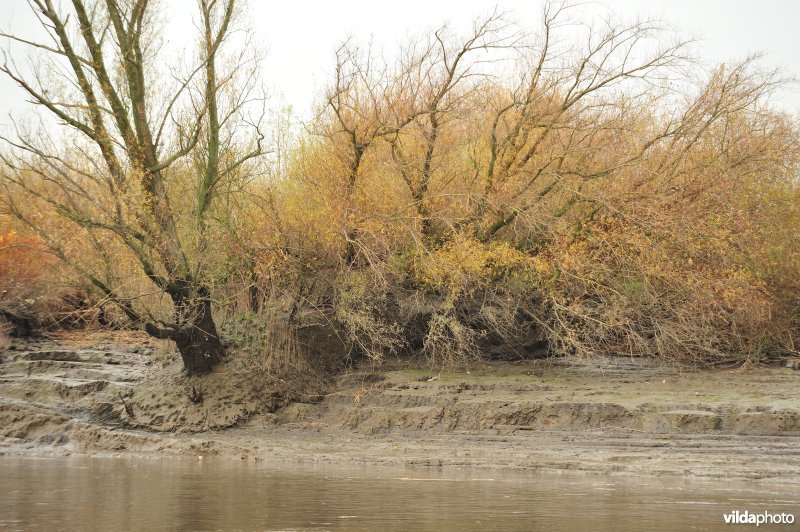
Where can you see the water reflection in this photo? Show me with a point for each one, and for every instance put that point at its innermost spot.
(130, 494)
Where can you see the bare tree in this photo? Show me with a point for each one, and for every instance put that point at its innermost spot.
(141, 158)
(367, 102)
(404, 106)
(449, 73)
(569, 104)
(573, 91)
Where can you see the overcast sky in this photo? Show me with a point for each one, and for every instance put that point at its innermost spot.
(302, 35)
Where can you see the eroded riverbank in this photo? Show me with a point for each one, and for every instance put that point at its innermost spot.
(104, 396)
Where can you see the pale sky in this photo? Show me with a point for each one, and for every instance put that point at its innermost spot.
(301, 36)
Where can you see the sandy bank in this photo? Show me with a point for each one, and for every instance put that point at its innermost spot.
(106, 394)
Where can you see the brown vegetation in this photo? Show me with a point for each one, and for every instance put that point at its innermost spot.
(499, 194)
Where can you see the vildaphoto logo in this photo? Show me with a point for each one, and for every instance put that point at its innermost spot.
(765, 518)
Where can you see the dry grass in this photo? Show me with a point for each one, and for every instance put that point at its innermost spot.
(5, 339)
(282, 353)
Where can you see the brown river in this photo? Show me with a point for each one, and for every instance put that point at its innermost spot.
(169, 494)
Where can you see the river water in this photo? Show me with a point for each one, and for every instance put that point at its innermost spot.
(169, 494)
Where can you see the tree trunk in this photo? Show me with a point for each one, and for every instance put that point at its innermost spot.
(198, 342)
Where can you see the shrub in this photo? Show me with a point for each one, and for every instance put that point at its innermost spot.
(26, 295)
(32, 289)
(619, 290)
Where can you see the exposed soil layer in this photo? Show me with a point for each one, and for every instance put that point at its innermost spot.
(122, 393)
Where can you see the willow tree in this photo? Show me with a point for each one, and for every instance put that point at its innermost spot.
(141, 152)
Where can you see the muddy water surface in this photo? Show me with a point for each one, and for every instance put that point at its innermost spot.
(170, 494)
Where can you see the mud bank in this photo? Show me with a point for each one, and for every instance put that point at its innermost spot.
(114, 394)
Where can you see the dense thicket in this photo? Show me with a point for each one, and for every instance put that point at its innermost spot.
(568, 191)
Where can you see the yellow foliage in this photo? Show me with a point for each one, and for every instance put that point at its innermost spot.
(466, 264)
(8, 239)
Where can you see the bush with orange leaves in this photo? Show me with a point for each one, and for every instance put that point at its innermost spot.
(29, 294)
